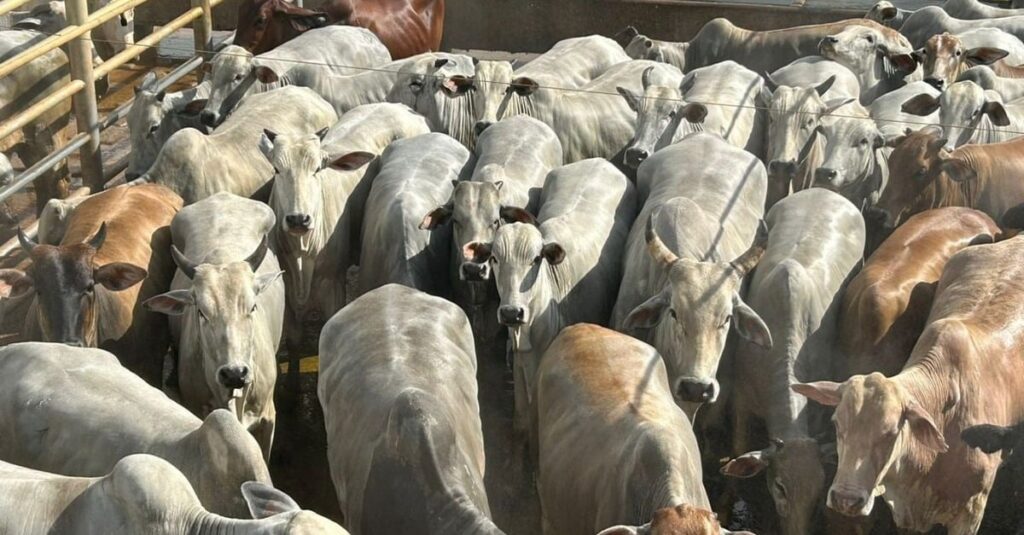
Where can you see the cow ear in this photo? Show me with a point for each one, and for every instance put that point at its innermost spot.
(824, 392)
(524, 86)
(264, 281)
(958, 170)
(553, 253)
(747, 465)
(265, 74)
(923, 427)
(749, 325)
(888, 13)
(995, 110)
(352, 161)
(903, 62)
(170, 303)
(118, 276)
(437, 217)
(514, 214)
(267, 138)
(988, 438)
(694, 112)
(893, 140)
(14, 283)
(923, 104)
(265, 501)
(195, 106)
(766, 95)
(647, 314)
(985, 55)
(476, 252)
(632, 99)
(304, 23)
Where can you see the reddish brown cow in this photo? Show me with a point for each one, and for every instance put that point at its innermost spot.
(679, 520)
(944, 58)
(87, 288)
(900, 437)
(923, 175)
(885, 306)
(406, 27)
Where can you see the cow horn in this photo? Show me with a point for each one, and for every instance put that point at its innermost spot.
(823, 87)
(26, 243)
(657, 248)
(256, 258)
(645, 78)
(768, 81)
(746, 261)
(186, 266)
(101, 236)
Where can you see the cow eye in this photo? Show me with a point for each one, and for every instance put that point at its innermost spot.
(238, 77)
(864, 142)
(871, 38)
(672, 114)
(91, 287)
(201, 315)
(808, 124)
(496, 223)
(253, 309)
(672, 312)
(958, 52)
(153, 129)
(725, 323)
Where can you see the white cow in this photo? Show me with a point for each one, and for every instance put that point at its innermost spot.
(141, 494)
(881, 64)
(854, 158)
(227, 303)
(641, 47)
(96, 412)
(970, 114)
(1010, 88)
(887, 110)
(154, 117)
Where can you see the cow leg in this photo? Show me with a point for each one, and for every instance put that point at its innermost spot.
(263, 432)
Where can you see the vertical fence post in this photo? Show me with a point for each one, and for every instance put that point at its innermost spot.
(86, 116)
(202, 30)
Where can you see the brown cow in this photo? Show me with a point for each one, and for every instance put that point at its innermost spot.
(923, 175)
(885, 306)
(406, 27)
(899, 437)
(679, 520)
(87, 288)
(944, 58)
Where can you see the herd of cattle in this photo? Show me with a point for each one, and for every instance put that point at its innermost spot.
(843, 196)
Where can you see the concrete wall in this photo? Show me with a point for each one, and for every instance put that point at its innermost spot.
(535, 25)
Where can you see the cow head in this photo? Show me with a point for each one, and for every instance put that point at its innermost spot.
(872, 52)
(794, 470)
(65, 278)
(265, 24)
(660, 113)
(491, 80)
(877, 423)
(232, 71)
(944, 58)
(221, 311)
(682, 519)
(640, 47)
(794, 114)
(850, 156)
(144, 119)
(920, 168)
(692, 314)
(964, 109)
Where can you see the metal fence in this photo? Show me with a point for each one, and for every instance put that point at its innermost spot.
(81, 88)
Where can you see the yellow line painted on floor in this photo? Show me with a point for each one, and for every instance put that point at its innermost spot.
(306, 365)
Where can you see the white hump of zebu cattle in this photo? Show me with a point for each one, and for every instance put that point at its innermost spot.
(416, 175)
(141, 494)
(398, 389)
(934, 20)
(227, 305)
(196, 166)
(95, 412)
(1010, 88)
(328, 51)
(816, 240)
(610, 391)
(680, 288)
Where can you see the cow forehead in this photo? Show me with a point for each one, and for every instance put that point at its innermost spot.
(470, 194)
(517, 242)
(943, 43)
(872, 398)
(702, 282)
(660, 97)
(231, 58)
(962, 93)
(795, 101)
(223, 284)
(71, 265)
(297, 151)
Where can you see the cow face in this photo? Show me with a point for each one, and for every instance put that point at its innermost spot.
(67, 285)
(264, 24)
(794, 114)
(682, 519)
(520, 258)
(640, 47)
(660, 113)
(440, 87)
(233, 70)
(221, 312)
(144, 118)
(794, 470)
(944, 59)
(692, 314)
(869, 52)
(876, 422)
(849, 157)
(492, 79)
(964, 107)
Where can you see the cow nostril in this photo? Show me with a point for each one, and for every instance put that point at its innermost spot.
(299, 221)
(511, 315)
(233, 376)
(832, 40)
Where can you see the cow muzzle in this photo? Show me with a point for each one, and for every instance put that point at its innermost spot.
(696, 390)
(234, 376)
(850, 502)
(474, 272)
(827, 178)
(511, 316)
(298, 224)
(209, 118)
(635, 156)
(785, 168)
(937, 83)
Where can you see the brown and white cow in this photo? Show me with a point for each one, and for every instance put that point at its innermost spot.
(87, 288)
(945, 57)
(679, 520)
(885, 306)
(923, 175)
(899, 437)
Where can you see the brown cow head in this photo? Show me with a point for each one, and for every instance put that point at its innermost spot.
(65, 279)
(919, 168)
(265, 24)
(679, 520)
(877, 422)
(944, 58)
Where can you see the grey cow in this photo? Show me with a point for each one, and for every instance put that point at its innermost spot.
(687, 256)
(154, 117)
(398, 389)
(970, 115)
(416, 175)
(854, 158)
(816, 240)
(96, 412)
(561, 269)
(886, 13)
(141, 494)
(227, 305)
(639, 46)
(196, 166)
